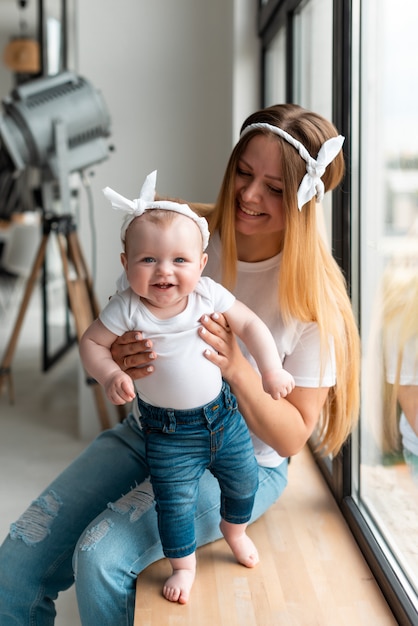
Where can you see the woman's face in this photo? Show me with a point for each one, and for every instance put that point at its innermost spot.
(258, 189)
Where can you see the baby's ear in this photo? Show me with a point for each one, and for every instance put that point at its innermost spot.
(203, 261)
(124, 260)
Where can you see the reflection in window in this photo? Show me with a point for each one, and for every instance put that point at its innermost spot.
(312, 73)
(275, 70)
(388, 480)
(313, 56)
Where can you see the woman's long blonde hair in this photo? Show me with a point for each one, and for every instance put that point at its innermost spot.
(399, 302)
(311, 286)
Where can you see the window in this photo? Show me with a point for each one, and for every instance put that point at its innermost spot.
(312, 52)
(275, 69)
(354, 61)
(388, 470)
(311, 70)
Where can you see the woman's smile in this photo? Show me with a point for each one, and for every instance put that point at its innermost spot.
(248, 211)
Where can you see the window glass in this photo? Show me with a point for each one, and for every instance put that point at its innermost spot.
(388, 475)
(275, 69)
(382, 103)
(312, 72)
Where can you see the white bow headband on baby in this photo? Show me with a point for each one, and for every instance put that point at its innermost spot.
(146, 202)
(311, 184)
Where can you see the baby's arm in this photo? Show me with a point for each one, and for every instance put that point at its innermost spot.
(97, 360)
(260, 343)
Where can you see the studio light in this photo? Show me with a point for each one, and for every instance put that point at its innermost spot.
(60, 123)
(57, 125)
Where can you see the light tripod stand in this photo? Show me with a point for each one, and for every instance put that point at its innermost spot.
(58, 125)
(81, 298)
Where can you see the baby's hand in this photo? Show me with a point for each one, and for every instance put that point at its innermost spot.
(278, 383)
(119, 388)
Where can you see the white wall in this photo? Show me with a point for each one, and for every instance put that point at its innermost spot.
(165, 70)
(174, 75)
(178, 78)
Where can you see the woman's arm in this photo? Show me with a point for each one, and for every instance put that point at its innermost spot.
(285, 424)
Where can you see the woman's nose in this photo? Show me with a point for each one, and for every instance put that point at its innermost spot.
(251, 191)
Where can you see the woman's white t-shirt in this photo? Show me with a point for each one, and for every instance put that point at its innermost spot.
(298, 343)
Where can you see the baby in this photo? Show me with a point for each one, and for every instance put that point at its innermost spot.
(189, 416)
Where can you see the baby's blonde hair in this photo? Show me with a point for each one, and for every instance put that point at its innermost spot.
(161, 217)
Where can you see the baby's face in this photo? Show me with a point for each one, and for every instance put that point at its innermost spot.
(164, 261)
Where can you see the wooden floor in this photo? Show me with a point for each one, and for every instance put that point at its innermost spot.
(311, 571)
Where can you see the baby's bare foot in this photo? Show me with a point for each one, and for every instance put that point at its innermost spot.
(177, 587)
(241, 545)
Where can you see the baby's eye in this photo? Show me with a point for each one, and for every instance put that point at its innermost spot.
(179, 259)
(148, 259)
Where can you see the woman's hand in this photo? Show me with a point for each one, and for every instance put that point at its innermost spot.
(226, 353)
(133, 354)
(284, 424)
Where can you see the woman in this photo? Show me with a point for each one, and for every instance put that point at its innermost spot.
(266, 248)
(396, 349)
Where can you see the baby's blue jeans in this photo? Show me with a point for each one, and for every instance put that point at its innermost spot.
(109, 544)
(180, 446)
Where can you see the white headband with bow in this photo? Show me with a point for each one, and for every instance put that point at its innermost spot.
(146, 202)
(311, 185)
